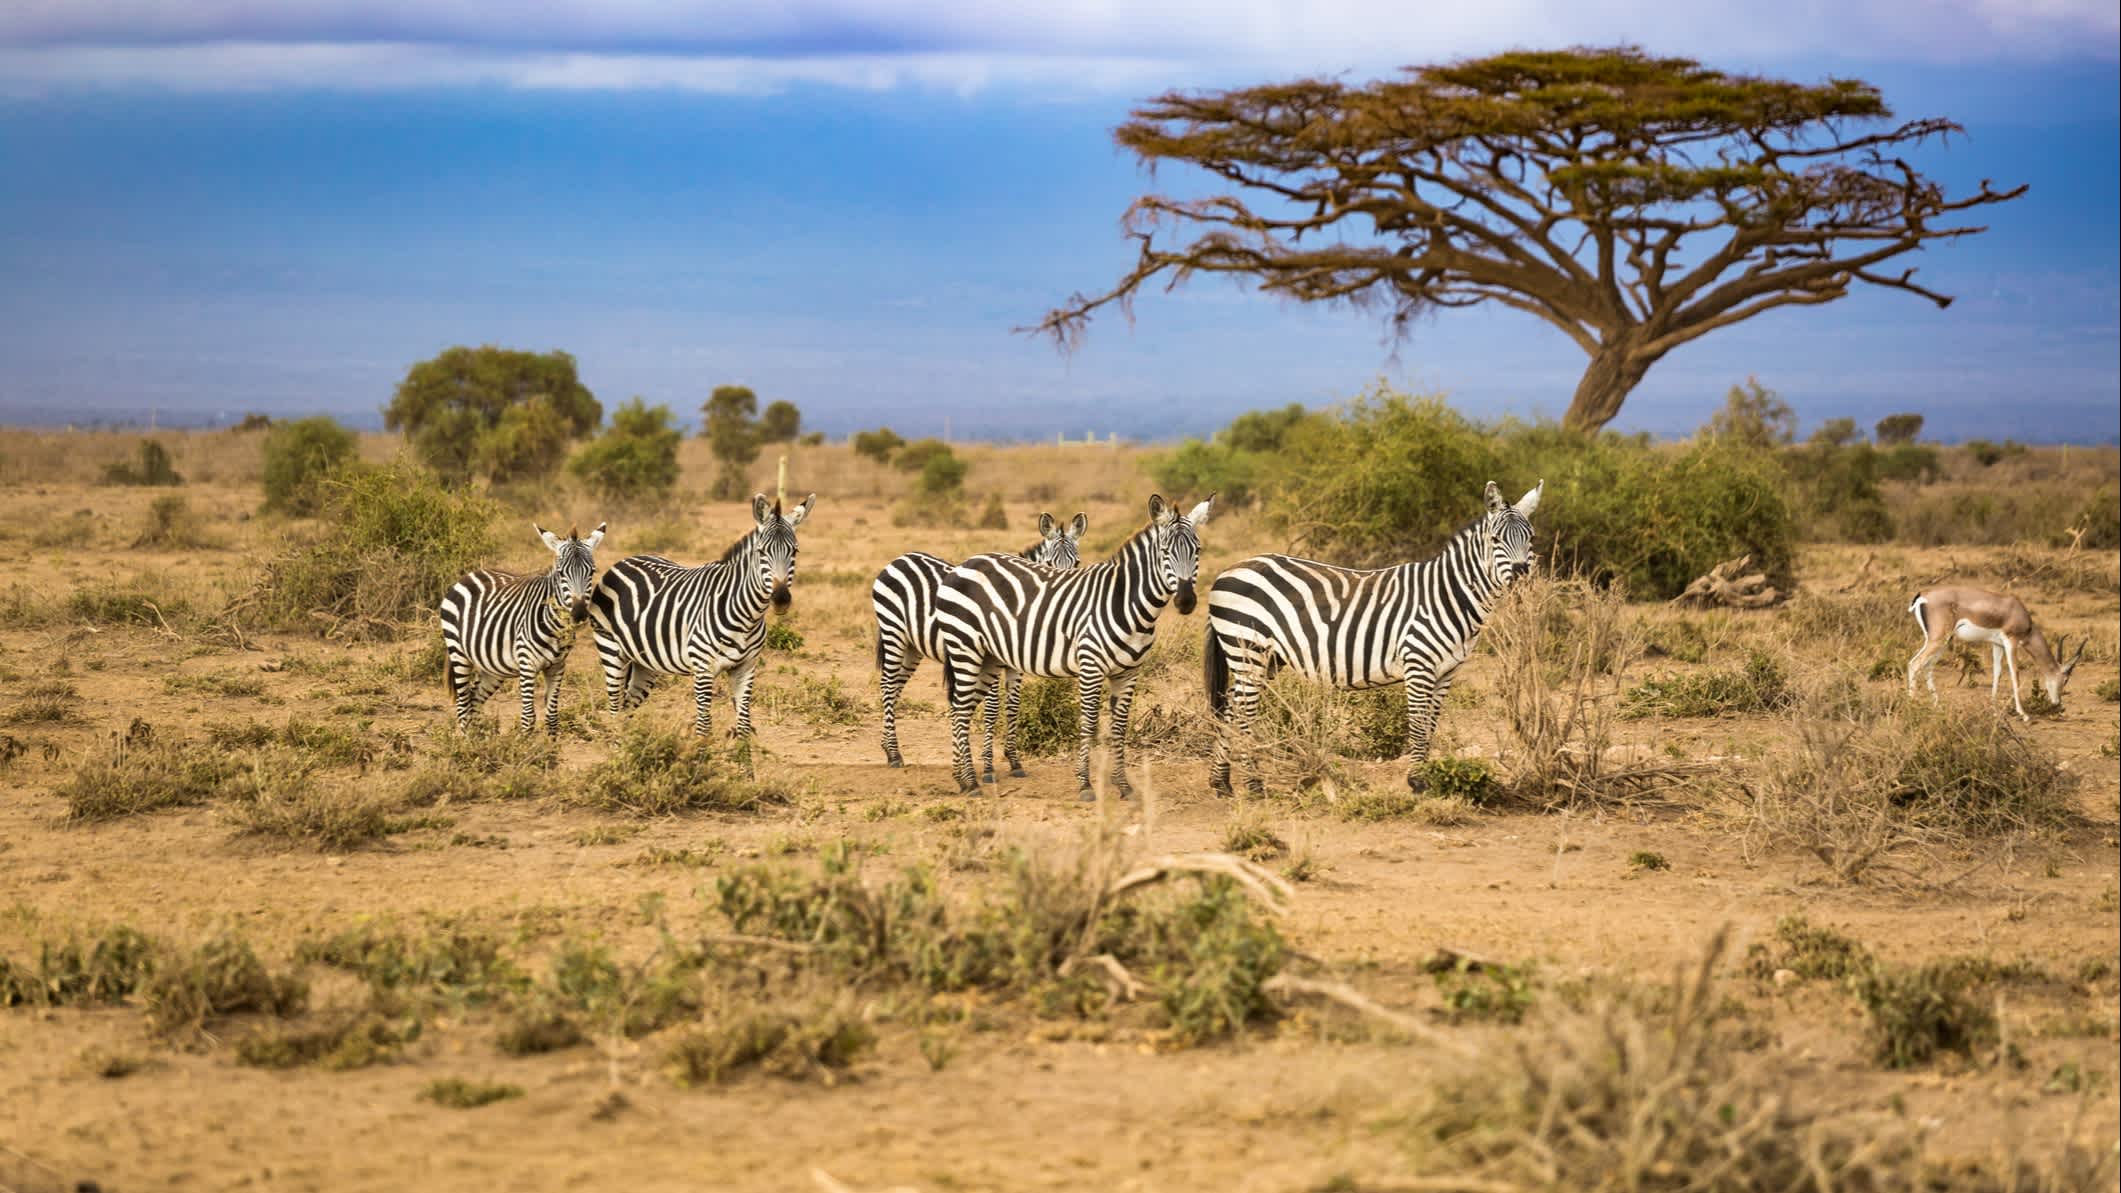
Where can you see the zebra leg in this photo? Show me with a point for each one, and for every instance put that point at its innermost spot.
(463, 682)
(1089, 694)
(553, 676)
(961, 688)
(527, 684)
(991, 715)
(1122, 703)
(1422, 707)
(1015, 683)
(488, 685)
(1246, 683)
(618, 675)
(702, 703)
(740, 685)
(891, 681)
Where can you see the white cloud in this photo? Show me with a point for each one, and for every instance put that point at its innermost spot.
(752, 45)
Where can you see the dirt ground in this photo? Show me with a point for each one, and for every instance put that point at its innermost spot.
(1025, 1106)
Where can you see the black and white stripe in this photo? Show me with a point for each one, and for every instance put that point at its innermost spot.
(654, 618)
(997, 613)
(1413, 624)
(498, 626)
(903, 597)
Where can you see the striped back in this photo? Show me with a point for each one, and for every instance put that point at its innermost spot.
(1046, 622)
(674, 619)
(903, 594)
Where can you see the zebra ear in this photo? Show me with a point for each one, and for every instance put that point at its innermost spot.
(1530, 501)
(596, 536)
(1047, 526)
(551, 540)
(1077, 525)
(802, 511)
(1496, 503)
(1159, 511)
(760, 507)
(1200, 512)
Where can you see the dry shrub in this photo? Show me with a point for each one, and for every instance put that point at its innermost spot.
(655, 772)
(2094, 572)
(45, 702)
(804, 1042)
(1760, 686)
(222, 976)
(455, 1093)
(1562, 649)
(1619, 1096)
(173, 526)
(480, 764)
(283, 802)
(145, 775)
(393, 540)
(107, 968)
(1858, 796)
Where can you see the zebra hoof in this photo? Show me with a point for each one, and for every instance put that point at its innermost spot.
(1417, 782)
(1220, 786)
(1018, 772)
(894, 761)
(1087, 796)
(986, 776)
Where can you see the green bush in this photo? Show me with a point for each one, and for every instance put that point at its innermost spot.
(1899, 428)
(2100, 519)
(153, 468)
(942, 475)
(298, 456)
(394, 539)
(1835, 487)
(495, 413)
(636, 459)
(1911, 463)
(878, 445)
(1761, 687)
(914, 457)
(1917, 1013)
(1198, 467)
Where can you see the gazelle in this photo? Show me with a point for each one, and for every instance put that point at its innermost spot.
(2003, 622)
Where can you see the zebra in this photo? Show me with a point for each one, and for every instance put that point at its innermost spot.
(904, 599)
(497, 624)
(654, 618)
(1413, 624)
(996, 613)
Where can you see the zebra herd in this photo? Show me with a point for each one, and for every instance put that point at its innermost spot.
(995, 618)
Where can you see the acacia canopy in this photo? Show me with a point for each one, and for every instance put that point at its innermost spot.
(1634, 202)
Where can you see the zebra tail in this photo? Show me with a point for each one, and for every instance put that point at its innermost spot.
(1215, 666)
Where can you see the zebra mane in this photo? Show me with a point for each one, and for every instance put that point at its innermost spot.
(736, 548)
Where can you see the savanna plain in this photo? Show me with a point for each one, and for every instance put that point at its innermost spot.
(1695, 899)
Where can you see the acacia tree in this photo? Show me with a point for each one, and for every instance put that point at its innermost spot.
(1634, 202)
(732, 433)
(497, 413)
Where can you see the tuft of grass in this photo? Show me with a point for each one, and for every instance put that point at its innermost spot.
(817, 1043)
(538, 1031)
(823, 702)
(1484, 991)
(1917, 1013)
(459, 1094)
(221, 976)
(284, 803)
(1047, 723)
(45, 702)
(355, 1043)
(1370, 805)
(139, 602)
(1467, 780)
(1252, 838)
(1644, 859)
(783, 637)
(1761, 686)
(2108, 690)
(1808, 952)
(106, 968)
(455, 966)
(484, 764)
(652, 772)
(149, 778)
(172, 526)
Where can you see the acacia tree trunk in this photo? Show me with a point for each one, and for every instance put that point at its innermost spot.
(1611, 376)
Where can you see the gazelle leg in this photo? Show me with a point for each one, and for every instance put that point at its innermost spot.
(2010, 658)
(1995, 669)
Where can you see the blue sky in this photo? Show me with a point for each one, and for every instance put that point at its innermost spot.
(217, 207)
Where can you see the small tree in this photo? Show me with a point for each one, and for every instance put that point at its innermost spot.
(496, 414)
(154, 468)
(1899, 428)
(636, 459)
(1754, 416)
(732, 432)
(781, 423)
(915, 456)
(1837, 432)
(297, 456)
(878, 444)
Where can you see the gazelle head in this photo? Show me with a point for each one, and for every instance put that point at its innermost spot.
(2054, 673)
(1177, 543)
(773, 545)
(574, 566)
(1059, 545)
(1508, 530)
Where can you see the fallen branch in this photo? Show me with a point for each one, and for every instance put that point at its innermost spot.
(1862, 574)
(1119, 984)
(1724, 587)
(1263, 884)
(1355, 1000)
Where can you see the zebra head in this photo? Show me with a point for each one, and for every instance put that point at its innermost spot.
(773, 545)
(1177, 546)
(574, 567)
(1509, 533)
(1058, 545)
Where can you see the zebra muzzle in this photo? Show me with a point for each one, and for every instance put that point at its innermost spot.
(783, 596)
(579, 611)
(1185, 599)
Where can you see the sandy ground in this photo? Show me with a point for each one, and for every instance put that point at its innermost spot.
(1024, 1106)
